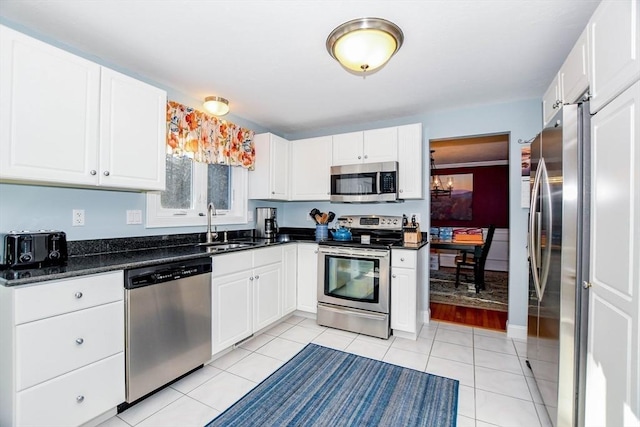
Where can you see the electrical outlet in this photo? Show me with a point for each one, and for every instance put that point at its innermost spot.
(77, 218)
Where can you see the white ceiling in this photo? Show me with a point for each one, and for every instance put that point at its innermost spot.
(268, 57)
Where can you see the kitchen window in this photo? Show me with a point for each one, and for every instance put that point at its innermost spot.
(190, 187)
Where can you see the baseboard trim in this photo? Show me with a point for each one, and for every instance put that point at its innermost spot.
(516, 332)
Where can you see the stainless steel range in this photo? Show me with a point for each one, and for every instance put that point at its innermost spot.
(354, 276)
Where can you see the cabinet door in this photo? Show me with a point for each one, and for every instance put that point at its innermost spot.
(574, 73)
(48, 112)
(279, 176)
(410, 161)
(267, 295)
(403, 299)
(551, 101)
(308, 277)
(232, 310)
(613, 357)
(289, 272)
(74, 398)
(347, 148)
(132, 133)
(380, 145)
(310, 168)
(615, 52)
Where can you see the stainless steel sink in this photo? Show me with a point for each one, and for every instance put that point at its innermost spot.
(221, 246)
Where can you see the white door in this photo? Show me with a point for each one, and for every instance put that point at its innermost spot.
(308, 277)
(267, 297)
(410, 161)
(613, 365)
(310, 168)
(347, 148)
(232, 310)
(380, 145)
(48, 112)
(132, 133)
(289, 272)
(279, 168)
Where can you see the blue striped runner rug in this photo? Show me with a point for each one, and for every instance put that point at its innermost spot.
(325, 387)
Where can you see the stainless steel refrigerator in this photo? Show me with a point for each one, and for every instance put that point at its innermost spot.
(558, 257)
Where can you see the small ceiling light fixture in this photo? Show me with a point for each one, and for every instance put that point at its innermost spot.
(216, 105)
(364, 45)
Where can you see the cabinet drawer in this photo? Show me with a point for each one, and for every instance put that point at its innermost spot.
(403, 258)
(75, 398)
(231, 263)
(54, 346)
(267, 256)
(64, 296)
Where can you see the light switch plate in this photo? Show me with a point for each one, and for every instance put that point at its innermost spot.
(134, 217)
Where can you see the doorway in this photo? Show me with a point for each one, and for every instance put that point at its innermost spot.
(469, 191)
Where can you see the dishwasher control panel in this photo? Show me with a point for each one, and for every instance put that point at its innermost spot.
(152, 275)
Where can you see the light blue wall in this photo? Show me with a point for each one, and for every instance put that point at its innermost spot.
(522, 120)
(36, 207)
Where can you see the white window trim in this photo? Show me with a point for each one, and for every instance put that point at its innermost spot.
(157, 216)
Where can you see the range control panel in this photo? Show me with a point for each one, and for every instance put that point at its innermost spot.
(371, 222)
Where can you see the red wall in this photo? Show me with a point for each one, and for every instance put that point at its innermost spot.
(490, 197)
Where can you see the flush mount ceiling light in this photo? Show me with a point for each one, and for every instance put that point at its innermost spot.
(364, 45)
(216, 105)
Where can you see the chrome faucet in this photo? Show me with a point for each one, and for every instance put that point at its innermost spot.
(211, 236)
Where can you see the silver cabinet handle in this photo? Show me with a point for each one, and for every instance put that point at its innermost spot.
(315, 252)
(401, 190)
(402, 259)
(93, 172)
(80, 399)
(79, 341)
(393, 275)
(359, 157)
(366, 157)
(257, 277)
(106, 173)
(78, 295)
(251, 278)
(273, 192)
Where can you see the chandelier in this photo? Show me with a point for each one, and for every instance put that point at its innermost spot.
(437, 188)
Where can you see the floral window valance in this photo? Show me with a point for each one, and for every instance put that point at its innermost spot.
(207, 139)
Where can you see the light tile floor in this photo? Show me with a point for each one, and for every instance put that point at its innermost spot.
(496, 388)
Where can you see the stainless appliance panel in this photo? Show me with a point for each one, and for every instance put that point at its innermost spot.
(558, 221)
(354, 320)
(366, 182)
(266, 223)
(168, 332)
(353, 281)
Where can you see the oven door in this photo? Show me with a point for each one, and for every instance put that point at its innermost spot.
(354, 277)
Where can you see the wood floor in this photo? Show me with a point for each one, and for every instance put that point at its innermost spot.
(478, 317)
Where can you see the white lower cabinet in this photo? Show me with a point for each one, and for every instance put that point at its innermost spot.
(246, 294)
(289, 278)
(65, 365)
(74, 398)
(407, 284)
(308, 277)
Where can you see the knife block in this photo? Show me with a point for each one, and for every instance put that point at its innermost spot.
(411, 234)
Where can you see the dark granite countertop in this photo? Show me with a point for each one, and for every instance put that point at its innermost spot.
(99, 256)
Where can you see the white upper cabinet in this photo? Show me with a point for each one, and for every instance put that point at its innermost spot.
(310, 168)
(49, 111)
(68, 121)
(410, 161)
(270, 179)
(574, 73)
(378, 145)
(614, 34)
(551, 100)
(132, 133)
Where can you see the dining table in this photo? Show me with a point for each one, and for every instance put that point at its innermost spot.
(473, 246)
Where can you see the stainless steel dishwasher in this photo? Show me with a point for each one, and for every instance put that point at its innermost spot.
(168, 323)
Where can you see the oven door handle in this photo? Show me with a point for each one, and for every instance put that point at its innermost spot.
(359, 313)
(355, 253)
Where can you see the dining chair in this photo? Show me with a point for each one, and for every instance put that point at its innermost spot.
(468, 262)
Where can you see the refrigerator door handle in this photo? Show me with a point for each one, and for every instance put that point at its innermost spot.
(533, 233)
(547, 210)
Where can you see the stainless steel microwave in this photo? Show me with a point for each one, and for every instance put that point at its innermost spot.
(366, 182)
